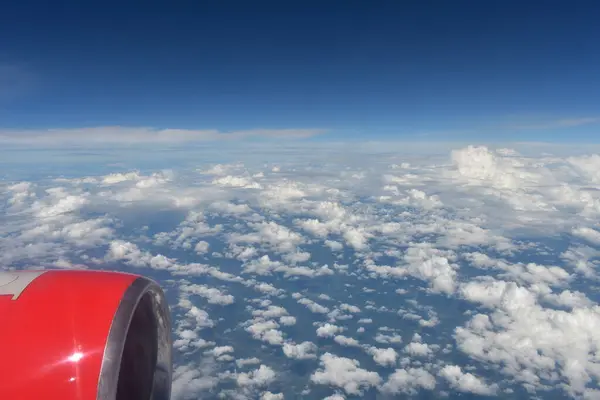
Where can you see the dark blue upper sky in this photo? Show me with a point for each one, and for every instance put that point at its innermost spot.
(512, 69)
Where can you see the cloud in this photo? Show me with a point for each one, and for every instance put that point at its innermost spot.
(301, 351)
(384, 357)
(472, 270)
(271, 396)
(119, 135)
(287, 320)
(408, 381)
(258, 377)
(346, 341)
(544, 335)
(334, 397)
(344, 373)
(588, 234)
(466, 382)
(191, 379)
(418, 349)
(328, 330)
(217, 351)
(212, 295)
(266, 330)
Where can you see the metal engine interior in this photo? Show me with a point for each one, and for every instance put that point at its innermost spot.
(137, 358)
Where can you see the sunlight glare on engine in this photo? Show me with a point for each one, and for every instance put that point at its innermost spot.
(76, 357)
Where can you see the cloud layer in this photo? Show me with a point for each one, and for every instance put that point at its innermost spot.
(115, 135)
(339, 274)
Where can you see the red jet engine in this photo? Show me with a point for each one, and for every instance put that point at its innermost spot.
(84, 335)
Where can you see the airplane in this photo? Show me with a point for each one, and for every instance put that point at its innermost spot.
(83, 334)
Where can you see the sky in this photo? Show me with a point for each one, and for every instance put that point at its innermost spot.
(338, 70)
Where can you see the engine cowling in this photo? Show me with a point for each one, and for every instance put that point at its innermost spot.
(83, 335)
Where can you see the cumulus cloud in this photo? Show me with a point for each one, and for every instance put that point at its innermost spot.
(384, 357)
(588, 234)
(212, 295)
(440, 265)
(426, 263)
(418, 349)
(328, 330)
(271, 396)
(261, 376)
(201, 247)
(266, 331)
(334, 397)
(346, 341)
(344, 373)
(409, 381)
(301, 351)
(287, 320)
(550, 341)
(466, 382)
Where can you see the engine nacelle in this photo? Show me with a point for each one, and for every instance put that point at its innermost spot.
(83, 335)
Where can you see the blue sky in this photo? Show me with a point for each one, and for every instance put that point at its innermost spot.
(461, 70)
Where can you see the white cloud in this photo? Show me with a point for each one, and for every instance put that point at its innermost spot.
(481, 166)
(381, 338)
(270, 312)
(271, 396)
(333, 245)
(230, 208)
(408, 381)
(426, 263)
(189, 380)
(301, 351)
(328, 330)
(551, 343)
(588, 166)
(212, 295)
(466, 382)
(287, 320)
(344, 373)
(201, 247)
(297, 257)
(349, 308)
(590, 235)
(384, 357)
(59, 204)
(266, 288)
(20, 193)
(346, 341)
(418, 349)
(246, 361)
(334, 397)
(258, 377)
(312, 306)
(115, 135)
(355, 238)
(266, 331)
(237, 181)
(218, 351)
(276, 236)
